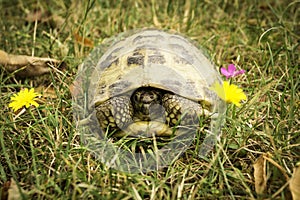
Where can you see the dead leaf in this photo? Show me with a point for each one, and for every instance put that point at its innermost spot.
(76, 87)
(295, 184)
(45, 16)
(260, 176)
(13, 191)
(4, 190)
(83, 40)
(27, 66)
(48, 92)
(36, 15)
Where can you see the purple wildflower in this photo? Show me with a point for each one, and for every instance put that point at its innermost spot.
(231, 71)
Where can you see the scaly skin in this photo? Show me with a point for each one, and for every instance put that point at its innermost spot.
(145, 105)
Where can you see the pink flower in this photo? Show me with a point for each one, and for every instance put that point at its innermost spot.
(231, 71)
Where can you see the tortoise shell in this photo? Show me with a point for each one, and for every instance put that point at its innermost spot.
(146, 58)
(153, 58)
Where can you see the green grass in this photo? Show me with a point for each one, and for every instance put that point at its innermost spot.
(41, 149)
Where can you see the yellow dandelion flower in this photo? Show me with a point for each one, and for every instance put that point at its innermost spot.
(24, 98)
(229, 93)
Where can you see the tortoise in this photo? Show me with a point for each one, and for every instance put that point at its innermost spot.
(150, 82)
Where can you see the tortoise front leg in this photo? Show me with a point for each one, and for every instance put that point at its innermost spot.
(179, 110)
(115, 114)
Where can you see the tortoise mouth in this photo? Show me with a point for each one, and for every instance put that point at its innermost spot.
(147, 104)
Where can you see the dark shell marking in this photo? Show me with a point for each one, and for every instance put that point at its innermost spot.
(136, 59)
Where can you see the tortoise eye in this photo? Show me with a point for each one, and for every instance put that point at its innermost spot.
(136, 97)
(152, 96)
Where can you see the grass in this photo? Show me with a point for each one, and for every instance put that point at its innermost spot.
(42, 151)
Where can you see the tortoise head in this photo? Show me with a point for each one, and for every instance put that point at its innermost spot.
(146, 101)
